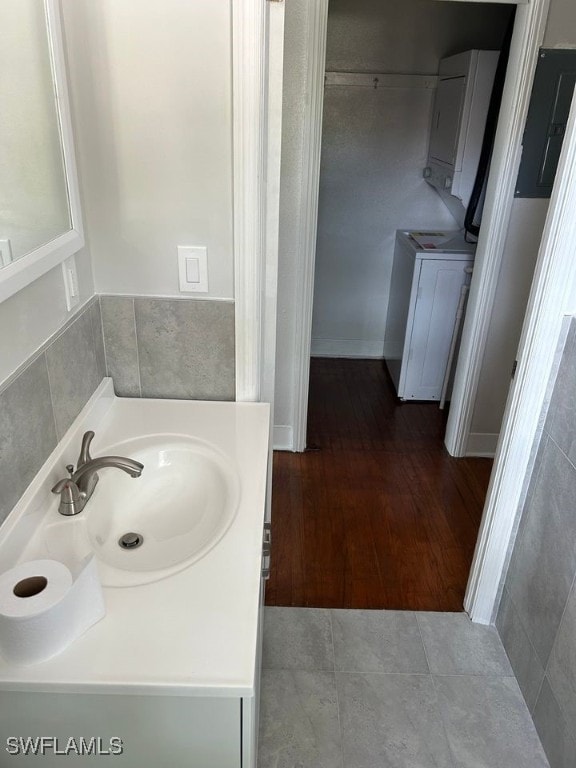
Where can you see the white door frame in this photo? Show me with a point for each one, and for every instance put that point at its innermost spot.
(552, 296)
(249, 127)
(504, 494)
(257, 74)
(317, 25)
(528, 34)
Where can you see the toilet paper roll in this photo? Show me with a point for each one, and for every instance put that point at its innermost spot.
(44, 608)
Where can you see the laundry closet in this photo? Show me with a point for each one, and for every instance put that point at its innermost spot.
(378, 182)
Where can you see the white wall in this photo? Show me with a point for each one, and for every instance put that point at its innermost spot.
(407, 35)
(374, 147)
(561, 25)
(521, 251)
(514, 282)
(151, 98)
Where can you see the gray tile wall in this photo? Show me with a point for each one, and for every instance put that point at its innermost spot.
(151, 347)
(537, 615)
(180, 348)
(43, 397)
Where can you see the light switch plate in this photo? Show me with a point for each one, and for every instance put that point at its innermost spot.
(70, 277)
(193, 268)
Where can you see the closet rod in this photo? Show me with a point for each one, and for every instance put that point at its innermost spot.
(380, 80)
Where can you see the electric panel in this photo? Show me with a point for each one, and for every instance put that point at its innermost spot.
(546, 122)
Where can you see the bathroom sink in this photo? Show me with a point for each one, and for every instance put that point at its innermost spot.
(143, 529)
(182, 609)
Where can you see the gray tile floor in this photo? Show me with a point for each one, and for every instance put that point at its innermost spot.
(389, 689)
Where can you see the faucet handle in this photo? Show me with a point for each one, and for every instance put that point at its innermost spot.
(85, 449)
(70, 498)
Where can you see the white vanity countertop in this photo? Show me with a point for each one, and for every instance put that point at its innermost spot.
(194, 632)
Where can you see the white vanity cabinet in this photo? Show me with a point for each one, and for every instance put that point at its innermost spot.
(180, 731)
(425, 293)
(173, 669)
(175, 731)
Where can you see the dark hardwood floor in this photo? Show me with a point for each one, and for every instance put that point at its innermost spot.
(375, 514)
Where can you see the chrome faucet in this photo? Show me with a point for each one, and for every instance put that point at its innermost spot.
(76, 490)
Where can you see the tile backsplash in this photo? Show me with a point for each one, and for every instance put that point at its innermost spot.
(537, 615)
(180, 348)
(39, 402)
(151, 347)
(75, 363)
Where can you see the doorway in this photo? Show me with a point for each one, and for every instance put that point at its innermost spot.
(375, 514)
(451, 4)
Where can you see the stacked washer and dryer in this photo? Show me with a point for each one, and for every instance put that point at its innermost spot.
(432, 270)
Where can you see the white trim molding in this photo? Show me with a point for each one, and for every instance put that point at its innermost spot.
(482, 444)
(273, 156)
(528, 33)
(275, 16)
(317, 25)
(283, 437)
(360, 348)
(248, 92)
(552, 296)
(23, 271)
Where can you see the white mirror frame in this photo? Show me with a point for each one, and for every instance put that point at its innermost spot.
(34, 264)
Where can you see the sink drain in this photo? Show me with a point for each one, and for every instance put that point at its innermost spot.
(131, 540)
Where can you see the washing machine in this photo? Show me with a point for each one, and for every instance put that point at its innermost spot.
(430, 277)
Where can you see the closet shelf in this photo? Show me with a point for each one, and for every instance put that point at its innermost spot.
(380, 80)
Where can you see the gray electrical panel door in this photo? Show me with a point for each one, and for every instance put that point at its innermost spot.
(546, 123)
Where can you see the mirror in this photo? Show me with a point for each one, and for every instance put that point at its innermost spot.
(40, 223)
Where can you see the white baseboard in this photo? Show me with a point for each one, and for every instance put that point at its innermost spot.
(283, 437)
(482, 444)
(346, 348)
